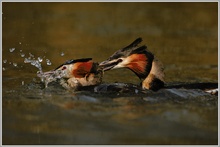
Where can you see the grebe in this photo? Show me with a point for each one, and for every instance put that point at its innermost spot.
(141, 61)
(74, 74)
(148, 68)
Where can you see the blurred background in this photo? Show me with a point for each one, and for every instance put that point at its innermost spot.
(184, 36)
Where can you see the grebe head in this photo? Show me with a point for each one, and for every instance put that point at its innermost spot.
(71, 68)
(141, 61)
(79, 72)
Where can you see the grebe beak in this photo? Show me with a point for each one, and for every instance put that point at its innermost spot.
(109, 64)
(133, 57)
(119, 56)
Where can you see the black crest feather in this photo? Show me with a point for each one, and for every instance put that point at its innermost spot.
(133, 44)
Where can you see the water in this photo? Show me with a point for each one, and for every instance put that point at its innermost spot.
(184, 36)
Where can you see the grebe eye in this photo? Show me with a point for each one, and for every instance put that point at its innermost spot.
(64, 67)
(119, 60)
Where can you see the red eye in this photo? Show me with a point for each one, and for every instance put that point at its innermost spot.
(64, 67)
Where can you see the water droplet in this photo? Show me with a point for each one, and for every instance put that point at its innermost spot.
(22, 82)
(26, 60)
(62, 54)
(11, 49)
(40, 59)
(19, 42)
(34, 62)
(48, 62)
(3, 69)
(5, 61)
(15, 64)
(136, 91)
(31, 55)
(22, 54)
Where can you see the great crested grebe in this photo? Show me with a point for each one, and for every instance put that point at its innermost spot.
(141, 61)
(148, 68)
(74, 74)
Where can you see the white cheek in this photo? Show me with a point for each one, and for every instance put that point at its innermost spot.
(126, 61)
(118, 66)
(122, 64)
(68, 71)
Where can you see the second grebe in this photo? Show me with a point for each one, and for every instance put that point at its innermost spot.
(141, 61)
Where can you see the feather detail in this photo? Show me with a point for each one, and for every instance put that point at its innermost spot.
(81, 69)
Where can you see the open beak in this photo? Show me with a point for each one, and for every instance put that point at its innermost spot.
(109, 64)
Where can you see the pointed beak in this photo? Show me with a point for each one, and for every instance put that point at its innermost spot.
(109, 64)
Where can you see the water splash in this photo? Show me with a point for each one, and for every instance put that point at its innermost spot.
(31, 55)
(62, 54)
(40, 59)
(15, 64)
(12, 50)
(45, 77)
(37, 64)
(50, 76)
(48, 62)
(33, 62)
(22, 55)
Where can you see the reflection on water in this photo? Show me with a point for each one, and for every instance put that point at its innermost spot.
(183, 35)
